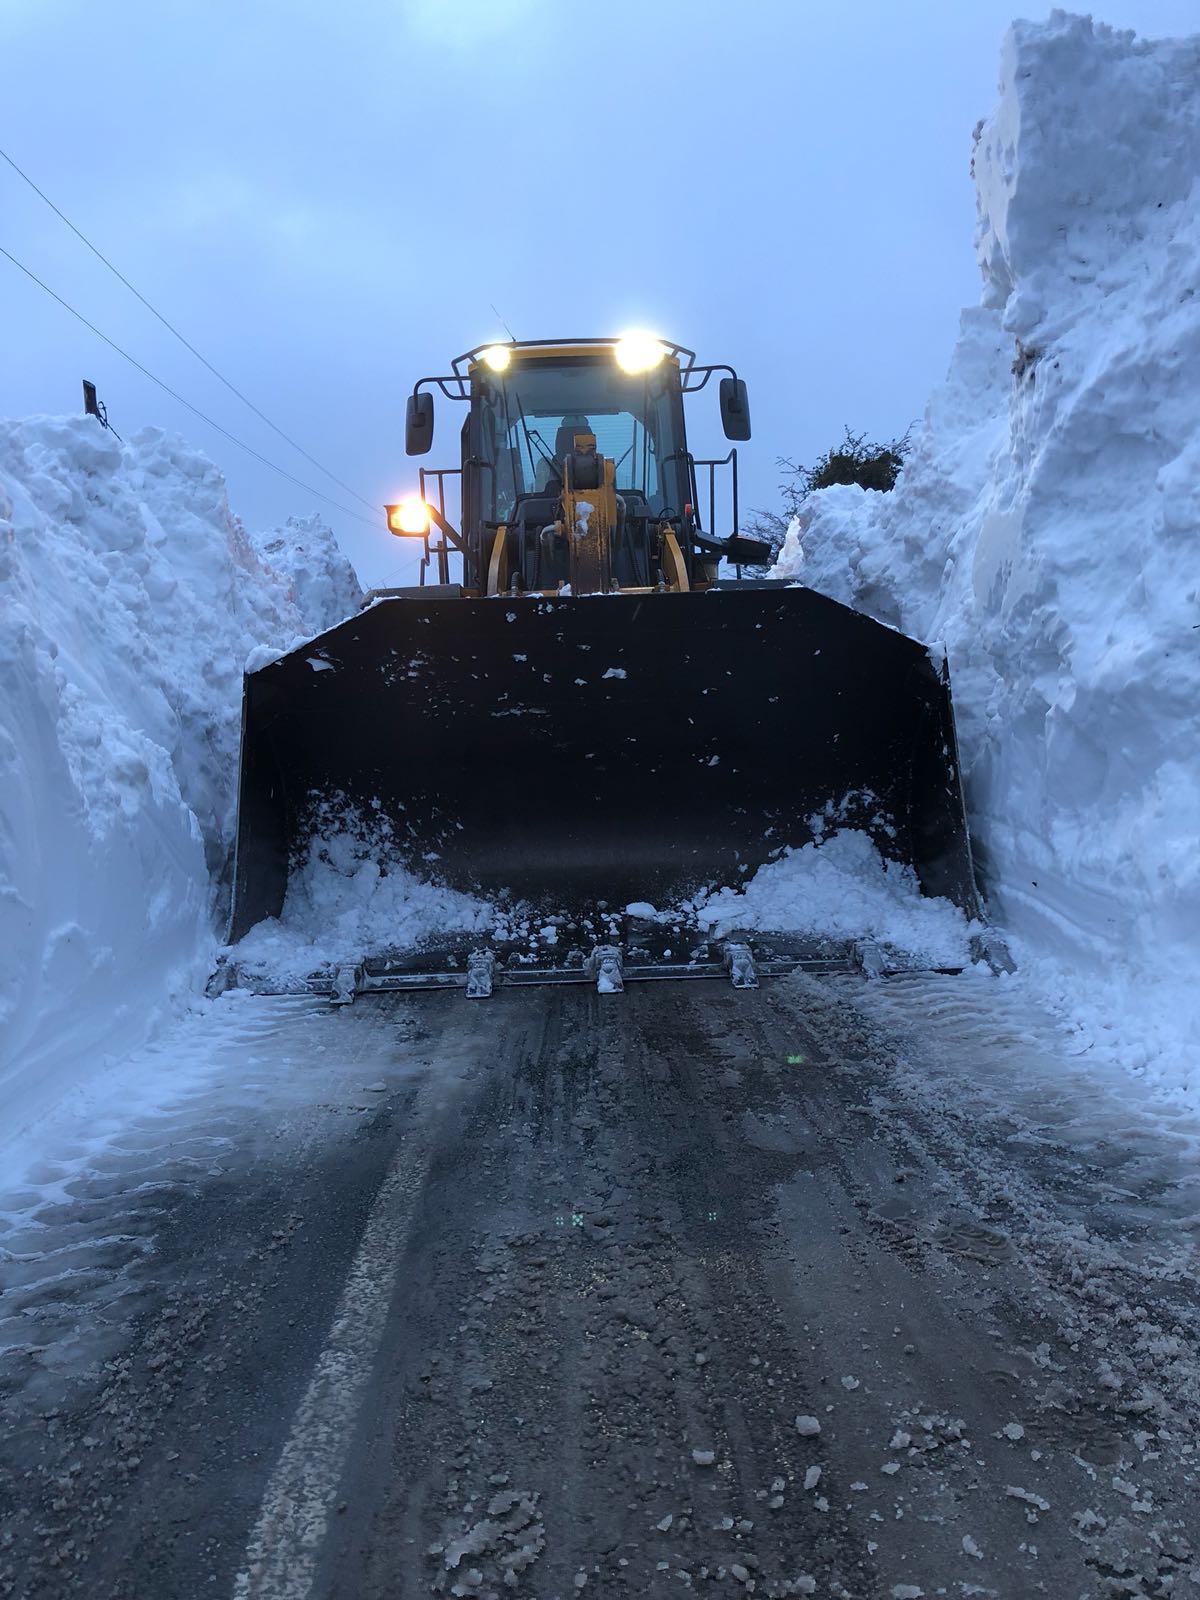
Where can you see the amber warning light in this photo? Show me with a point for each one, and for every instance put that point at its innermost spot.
(409, 517)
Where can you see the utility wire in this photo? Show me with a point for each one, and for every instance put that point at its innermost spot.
(195, 410)
(172, 329)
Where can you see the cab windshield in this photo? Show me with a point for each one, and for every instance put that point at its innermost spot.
(528, 418)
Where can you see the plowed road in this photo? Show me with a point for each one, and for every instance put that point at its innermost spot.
(525, 1297)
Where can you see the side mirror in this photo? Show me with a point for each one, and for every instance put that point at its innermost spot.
(735, 408)
(418, 424)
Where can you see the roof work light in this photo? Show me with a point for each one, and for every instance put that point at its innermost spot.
(638, 352)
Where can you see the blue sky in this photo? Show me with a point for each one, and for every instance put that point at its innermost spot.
(329, 201)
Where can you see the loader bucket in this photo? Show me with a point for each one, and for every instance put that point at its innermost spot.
(603, 748)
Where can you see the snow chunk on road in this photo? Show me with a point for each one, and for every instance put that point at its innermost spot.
(842, 888)
(1028, 1497)
(807, 1427)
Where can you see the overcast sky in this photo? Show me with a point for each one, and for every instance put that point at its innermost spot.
(328, 200)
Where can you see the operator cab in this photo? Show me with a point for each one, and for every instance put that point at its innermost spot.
(530, 419)
(551, 423)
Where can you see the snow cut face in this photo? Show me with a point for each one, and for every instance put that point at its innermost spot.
(130, 597)
(1044, 527)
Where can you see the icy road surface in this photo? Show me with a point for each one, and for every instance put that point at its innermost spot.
(836, 1289)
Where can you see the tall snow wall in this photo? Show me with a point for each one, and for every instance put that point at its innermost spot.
(1047, 528)
(129, 600)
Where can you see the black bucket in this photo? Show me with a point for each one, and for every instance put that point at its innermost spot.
(603, 748)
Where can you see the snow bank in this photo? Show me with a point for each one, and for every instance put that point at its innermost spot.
(129, 599)
(321, 583)
(1045, 527)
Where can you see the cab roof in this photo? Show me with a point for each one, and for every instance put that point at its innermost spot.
(564, 349)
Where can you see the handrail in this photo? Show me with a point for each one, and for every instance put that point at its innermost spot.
(712, 464)
(449, 537)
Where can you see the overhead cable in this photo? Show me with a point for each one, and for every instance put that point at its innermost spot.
(195, 410)
(171, 328)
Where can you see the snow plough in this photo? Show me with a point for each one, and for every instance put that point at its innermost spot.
(579, 705)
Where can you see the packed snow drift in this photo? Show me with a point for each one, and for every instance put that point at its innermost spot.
(1045, 527)
(129, 599)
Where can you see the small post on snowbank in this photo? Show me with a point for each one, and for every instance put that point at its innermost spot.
(96, 408)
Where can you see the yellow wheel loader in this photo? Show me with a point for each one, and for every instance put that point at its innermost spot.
(580, 707)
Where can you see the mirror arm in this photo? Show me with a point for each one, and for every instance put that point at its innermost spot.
(451, 385)
(704, 374)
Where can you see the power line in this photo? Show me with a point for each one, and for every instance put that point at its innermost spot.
(195, 410)
(174, 330)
